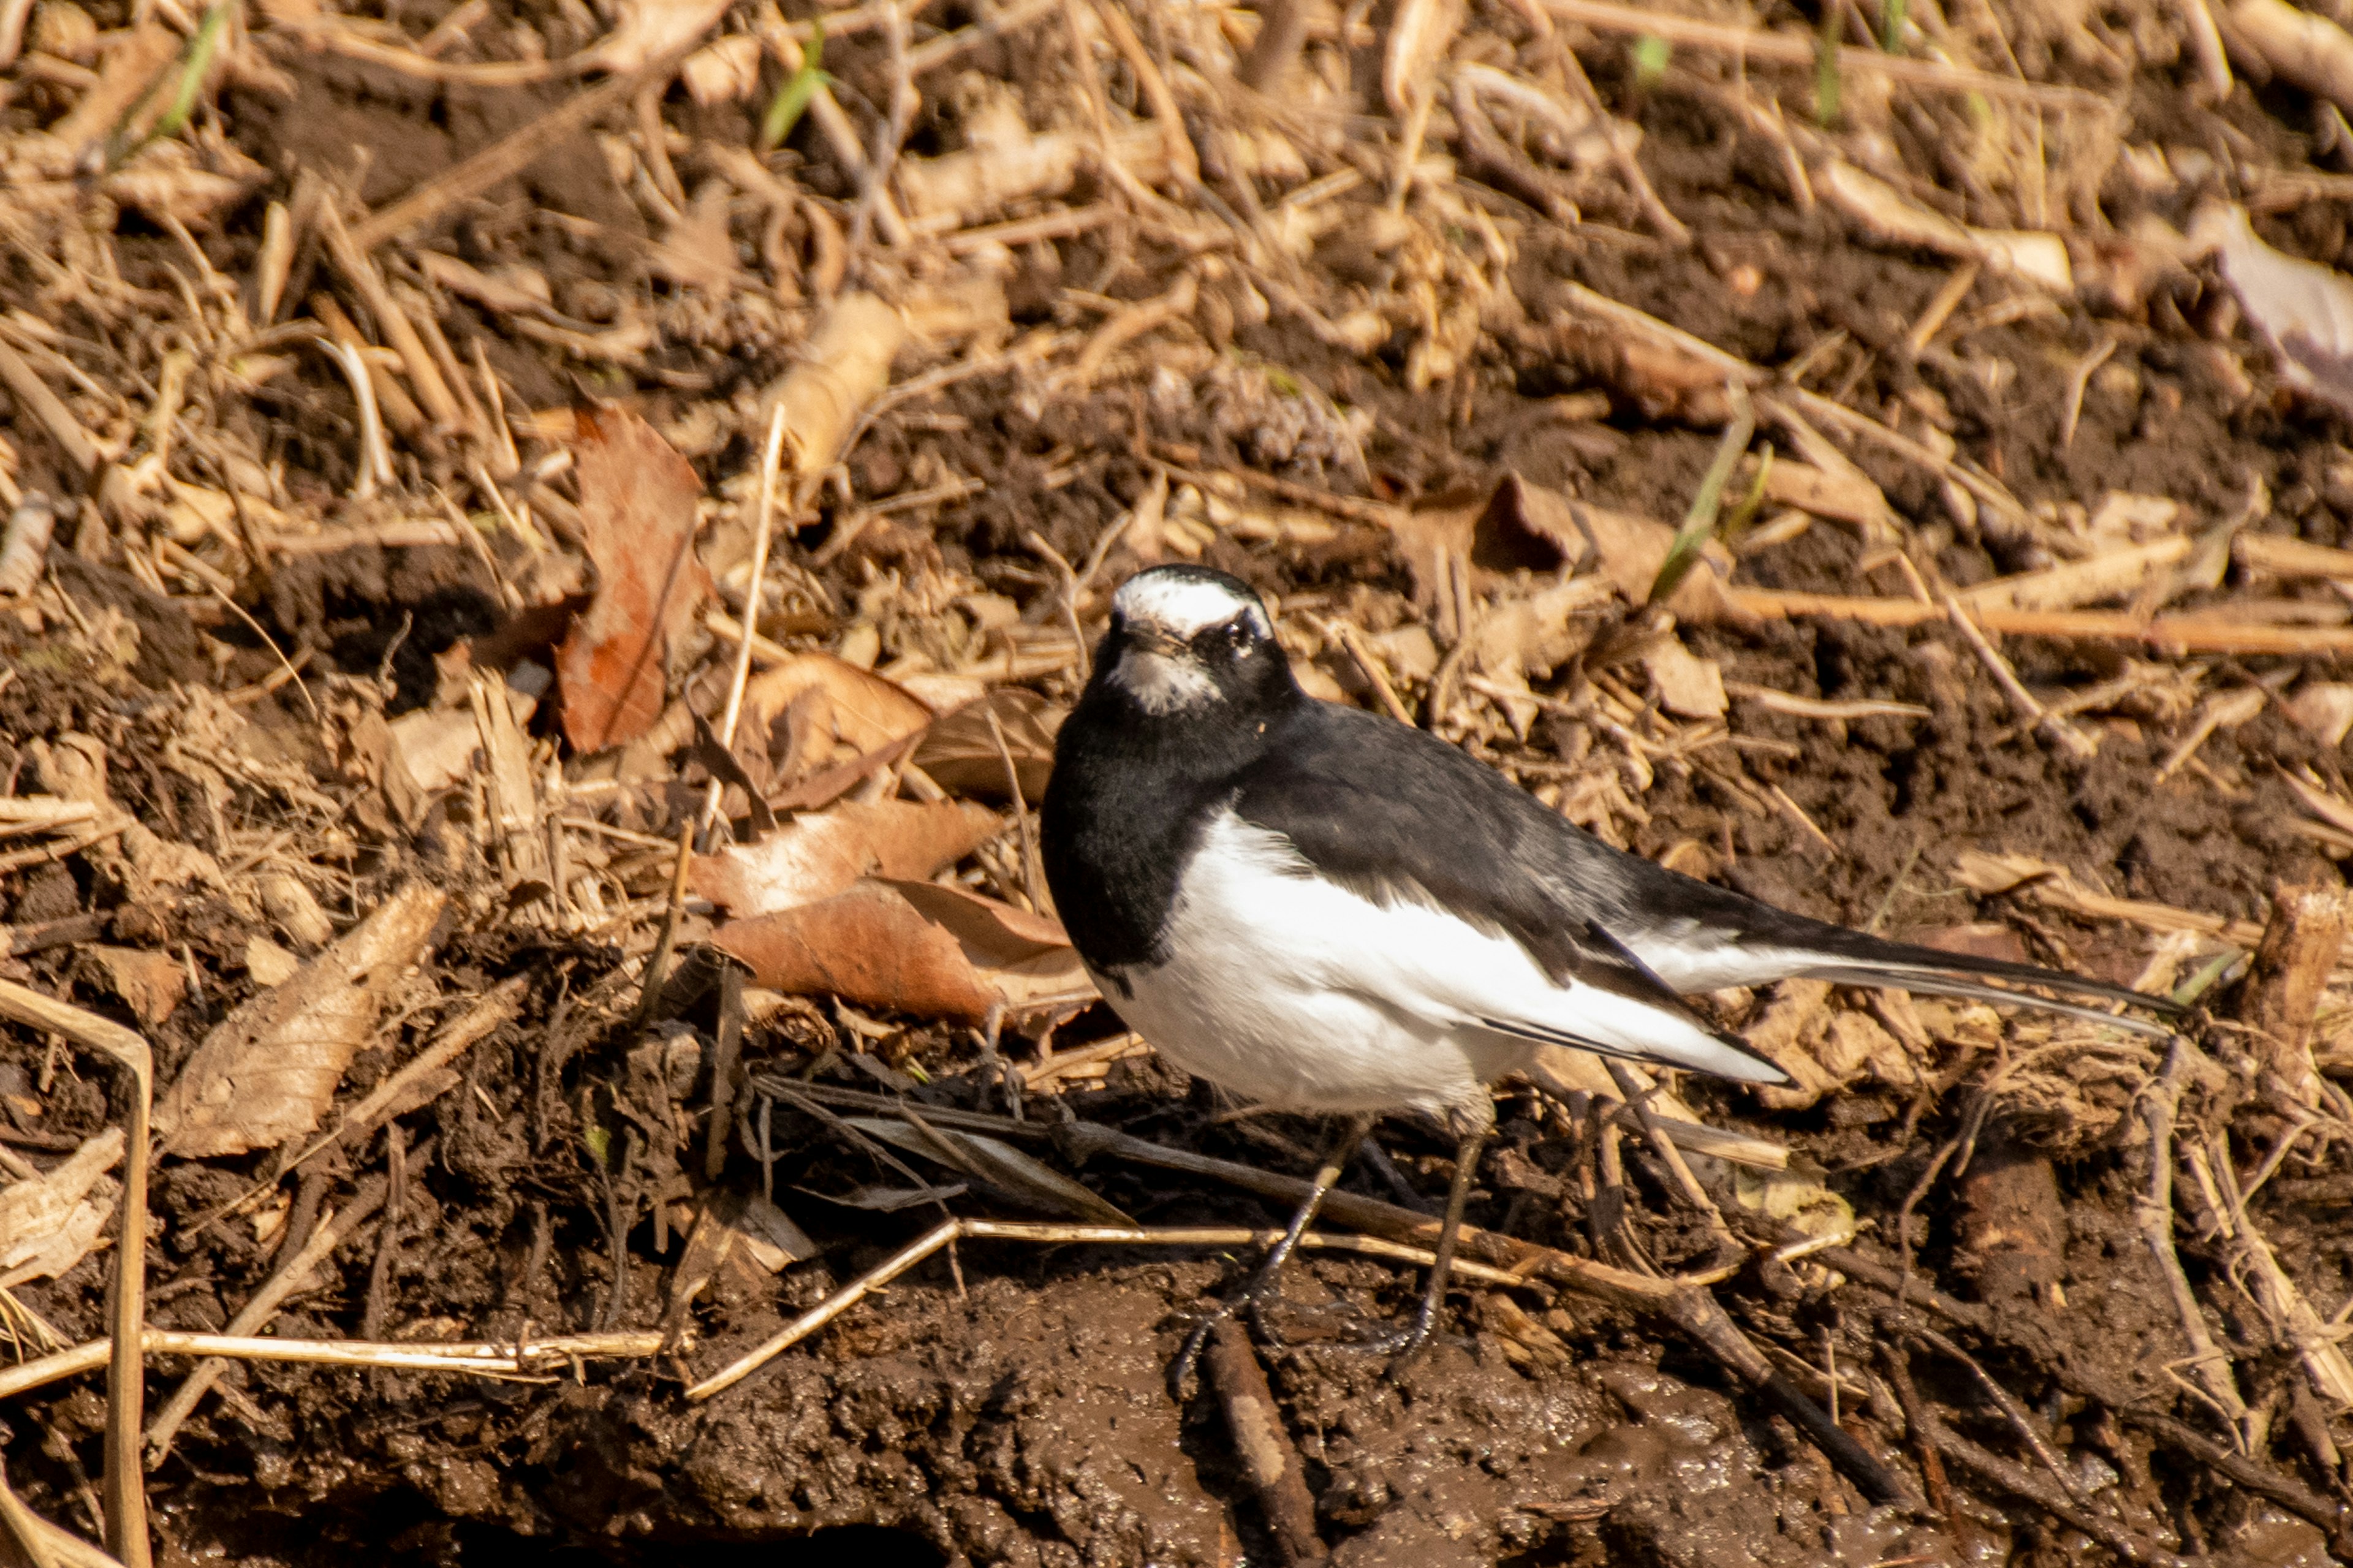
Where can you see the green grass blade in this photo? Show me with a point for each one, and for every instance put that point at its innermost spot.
(1707, 505)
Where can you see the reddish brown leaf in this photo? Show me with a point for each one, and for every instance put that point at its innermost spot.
(816, 855)
(869, 946)
(913, 947)
(638, 511)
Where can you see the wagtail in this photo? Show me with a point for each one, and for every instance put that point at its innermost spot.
(1324, 910)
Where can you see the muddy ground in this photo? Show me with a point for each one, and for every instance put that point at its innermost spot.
(1015, 1408)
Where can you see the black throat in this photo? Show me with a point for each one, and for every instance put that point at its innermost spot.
(1131, 796)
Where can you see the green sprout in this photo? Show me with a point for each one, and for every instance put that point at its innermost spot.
(1651, 54)
(187, 82)
(1707, 505)
(1827, 90)
(792, 99)
(1892, 14)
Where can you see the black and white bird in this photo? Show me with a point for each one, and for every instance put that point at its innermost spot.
(1322, 910)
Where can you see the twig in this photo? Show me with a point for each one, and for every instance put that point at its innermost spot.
(2079, 381)
(1268, 1457)
(1638, 1099)
(2153, 1211)
(2015, 1332)
(1689, 1308)
(2020, 1421)
(126, 1502)
(953, 1230)
(1182, 159)
(2206, 42)
(2193, 633)
(1940, 309)
(841, 136)
(1368, 665)
(763, 530)
(508, 1357)
(2290, 969)
(375, 455)
(29, 390)
(658, 960)
(399, 332)
(1671, 228)
(2057, 728)
(1033, 879)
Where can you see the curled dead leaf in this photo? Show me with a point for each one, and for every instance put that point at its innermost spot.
(819, 854)
(638, 511)
(961, 752)
(2302, 310)
(913, 947)
(50, 1223)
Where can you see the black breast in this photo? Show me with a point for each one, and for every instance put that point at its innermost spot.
(1130, 798)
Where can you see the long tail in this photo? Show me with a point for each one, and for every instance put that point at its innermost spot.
(1851, 958)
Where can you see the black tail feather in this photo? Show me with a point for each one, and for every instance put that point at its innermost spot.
(1851, 958)
(1929, 983)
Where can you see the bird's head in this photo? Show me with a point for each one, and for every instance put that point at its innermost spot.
(1188, 639)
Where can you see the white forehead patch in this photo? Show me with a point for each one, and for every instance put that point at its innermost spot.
(1182, 604)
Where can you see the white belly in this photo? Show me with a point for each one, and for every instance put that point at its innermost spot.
(1287, 989)
(1306, 1050)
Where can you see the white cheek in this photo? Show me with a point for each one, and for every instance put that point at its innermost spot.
(1160, 684)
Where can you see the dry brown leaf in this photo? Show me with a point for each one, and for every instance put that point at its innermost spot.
(961, 752)
(1027, 958)
(1689, 686)
(864, 711)
(150, 983)
(2302, 310)
(913, 947)
(268, 963)
(819, 854)
(1522, 527)
(843, 365)
(637, 511)
(50, 1223)
(868, 946)
(270, 1069)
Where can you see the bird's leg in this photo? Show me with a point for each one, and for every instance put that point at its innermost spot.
(1404, 1341)
(1269, 1272)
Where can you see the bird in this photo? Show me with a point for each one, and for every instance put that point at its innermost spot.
(1326, 910)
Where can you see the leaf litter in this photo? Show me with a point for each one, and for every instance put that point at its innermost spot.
(366, 734)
